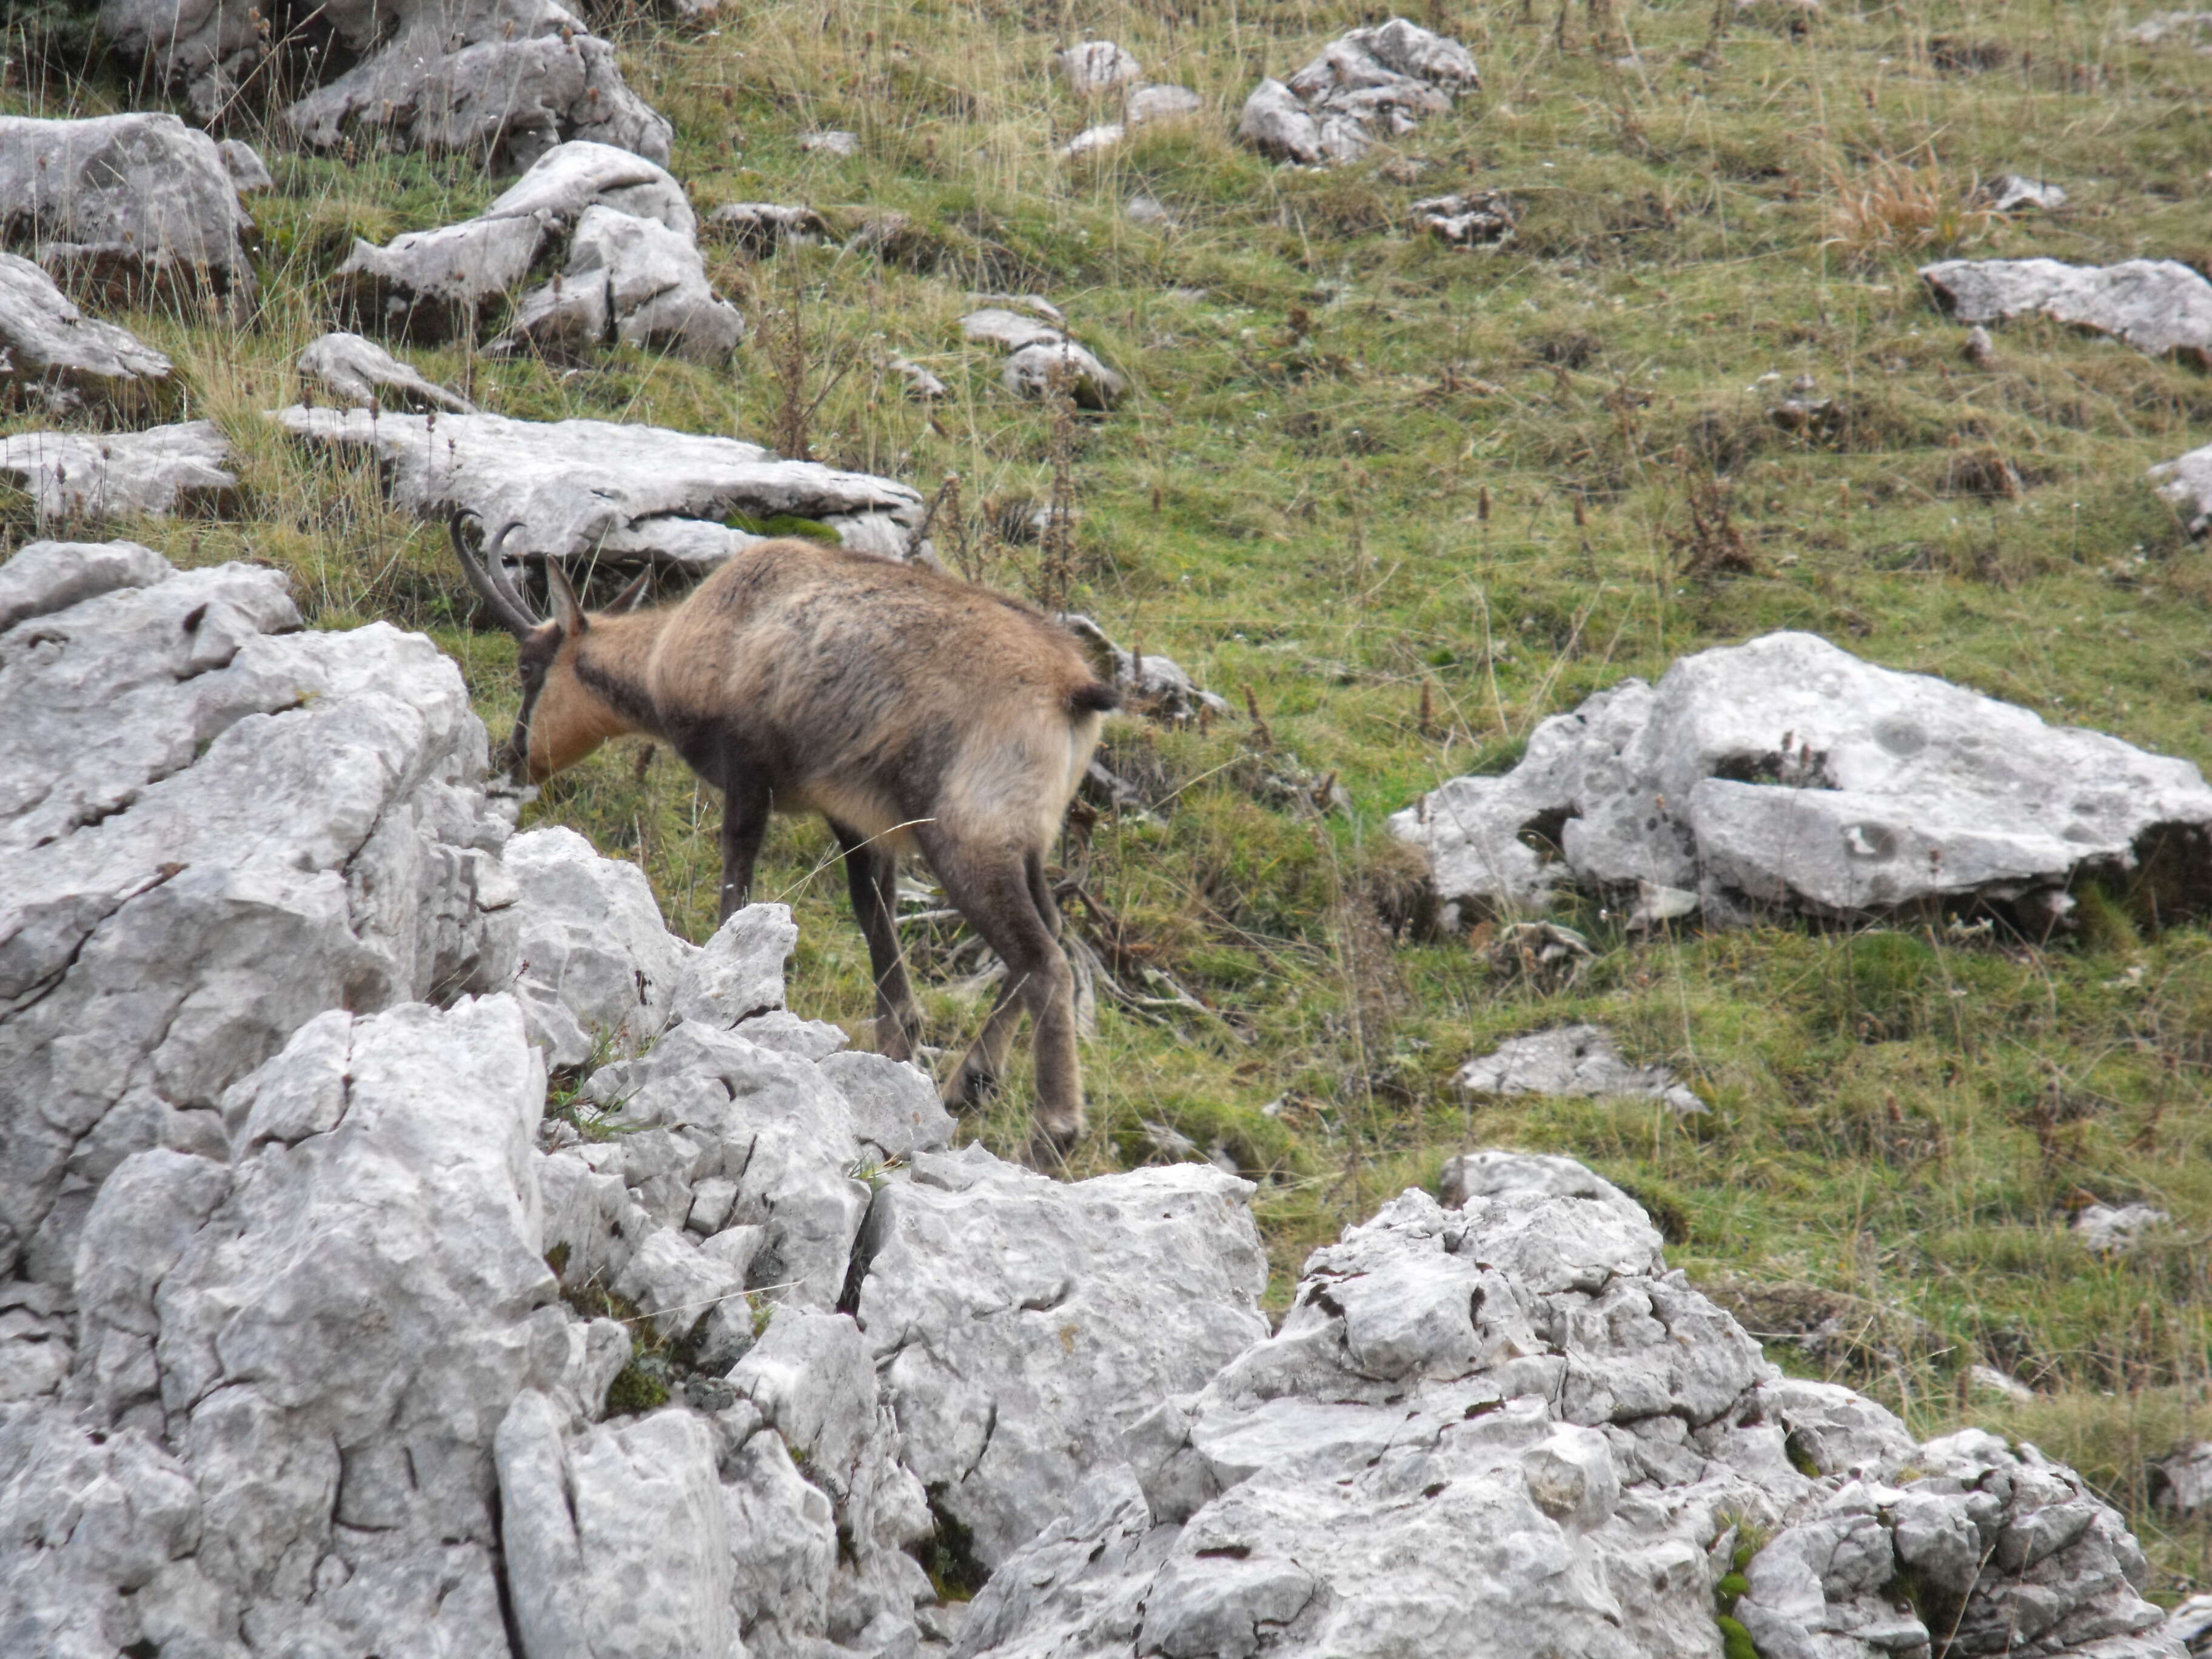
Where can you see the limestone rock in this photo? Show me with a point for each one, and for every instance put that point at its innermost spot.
(1097, 66)
(1372, 84)
(2162, 27)
(1480, 219)
(618, 492)
(2014, 192)
(1574, 1062)
(82, 478)
(432, 284)
(596, 963)
(245, 167)
(2116, 1229)
(125, 204)
(1035, 370)
(1159, 103)
(2183, 1482)
(2186, 481)
(2157, 306)
(52, 353)
(628, 279)
(1022, 1327)
(500, 81)
(1091, 139)
(1786, 772)
(1152, 685)
(761, 227)
(213, 827)
(1504, 1429)
(359, 373)
(832, 144)
(2190, 1625)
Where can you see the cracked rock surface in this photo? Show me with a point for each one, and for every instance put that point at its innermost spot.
(359, 373)
(86, 477)
(2157, 306)
(52, 354)
(1370, 86)
(1788, 773)
(125, 204)
(628, 493)
(1507, 1429)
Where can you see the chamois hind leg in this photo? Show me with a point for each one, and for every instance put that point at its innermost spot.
(993, 892)
(744, 824)
(871, 877)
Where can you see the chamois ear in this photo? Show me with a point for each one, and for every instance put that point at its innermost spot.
(632, 596)
(566, 610)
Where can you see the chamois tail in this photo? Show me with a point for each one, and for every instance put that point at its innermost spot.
(1096, 697)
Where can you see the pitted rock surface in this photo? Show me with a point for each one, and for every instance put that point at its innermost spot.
(1507, 1429)
(86, 477)
(1371, 85)
(213, 827)
(630, 495)
(1787, 772)
(125, 204)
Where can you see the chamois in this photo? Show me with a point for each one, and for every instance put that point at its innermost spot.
(914, 711)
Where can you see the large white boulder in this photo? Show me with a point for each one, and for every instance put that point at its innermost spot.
(1506, 1429)
(52, 352)
(128, 203)
(2158, 305)
(581, 490)
(1788, 773)
(86, 477)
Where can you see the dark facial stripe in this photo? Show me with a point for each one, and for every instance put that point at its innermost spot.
(628, 700)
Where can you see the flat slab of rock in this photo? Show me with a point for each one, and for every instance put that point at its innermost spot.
(1504, 1429)
(1022, 1325)
(500, 81)
(1574, 1062)
(213, 827)
(1788, 773)
(2157, 306)
(631, 495)
(52, 354)
(1372, 84)
(84, 477)
(359, 373)
(125, 204)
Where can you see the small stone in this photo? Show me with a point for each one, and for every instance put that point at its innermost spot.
(832, 144)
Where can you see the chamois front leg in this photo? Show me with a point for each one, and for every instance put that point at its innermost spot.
(744, 824)
(871, 877)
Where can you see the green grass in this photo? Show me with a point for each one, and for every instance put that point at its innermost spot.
(1357, 461)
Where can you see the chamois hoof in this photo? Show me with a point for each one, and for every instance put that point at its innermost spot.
(971, 1087)
(1051, 1143)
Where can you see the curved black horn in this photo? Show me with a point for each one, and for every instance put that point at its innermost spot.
(486, 574)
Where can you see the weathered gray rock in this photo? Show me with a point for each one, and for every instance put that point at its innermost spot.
(1506, 1429)
(213, 827)
(1159, 103)
(597, 966)
(2116, 1229)
(2191, 1624)
(2183, 1482)
(359, 373)
(500, 81)
(1091, 139)
(1036, 371)
(2014, 192)
(2176, 26)
(1022, 1327)
(245, 167)
(1008, 330)
(1787, 772)
(1481, 219)
(631, 280)
(832, 144)
(85, 477)
(761, 227)
(52, 354)
(1576, 1062)
(1097, 66)
(325, 1328)
(1152, 685)
(2186, 481)
(2157, 306)
(125, 204)
(1372, 84)
(622, 492)
(433, 284)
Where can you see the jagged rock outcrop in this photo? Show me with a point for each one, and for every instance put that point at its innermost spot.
(125, 204)
(500, 81)
(1042, 357)
(213, 828)
(85, 477)
(632, 271)
(1788, 773)
(358, 374)
(615, 491)
(2157, 306)
(1370, 84)
(1506, 1429)
(52, 354)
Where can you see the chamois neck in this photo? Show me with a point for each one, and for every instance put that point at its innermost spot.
(613, 659)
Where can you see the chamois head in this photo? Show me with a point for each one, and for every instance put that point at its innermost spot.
(561, 720)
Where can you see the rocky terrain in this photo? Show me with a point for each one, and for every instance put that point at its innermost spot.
(1641, 937)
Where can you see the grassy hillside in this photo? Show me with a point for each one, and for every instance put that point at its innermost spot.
(1416, 498)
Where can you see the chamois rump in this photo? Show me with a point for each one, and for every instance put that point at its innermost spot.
(916, 713)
